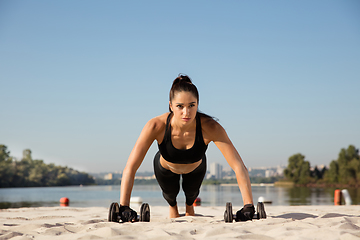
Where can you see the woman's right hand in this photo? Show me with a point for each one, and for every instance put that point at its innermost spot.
(246, 213)
(127, 214)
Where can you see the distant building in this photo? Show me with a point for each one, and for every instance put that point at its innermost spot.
(256, 172)
(280, 170)
(145, 177)
(108, 176)
(266, 171)
(269, 173)
(228, 173)
(215, 171)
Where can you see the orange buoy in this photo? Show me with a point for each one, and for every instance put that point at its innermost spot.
(197, 202)
(337, 197)
(64, 202)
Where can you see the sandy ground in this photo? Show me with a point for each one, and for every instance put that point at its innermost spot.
(283, 222)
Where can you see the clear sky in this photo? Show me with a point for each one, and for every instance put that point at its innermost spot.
(79, 79)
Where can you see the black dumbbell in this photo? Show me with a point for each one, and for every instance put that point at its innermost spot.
(114, 213)
(229, 216)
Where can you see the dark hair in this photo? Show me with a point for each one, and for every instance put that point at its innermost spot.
(183, 83)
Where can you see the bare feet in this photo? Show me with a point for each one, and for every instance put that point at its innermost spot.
(173, 212)
(189, 210)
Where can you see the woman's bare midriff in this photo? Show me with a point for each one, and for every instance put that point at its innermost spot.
(179, 168)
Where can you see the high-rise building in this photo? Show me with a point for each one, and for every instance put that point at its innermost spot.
(216, 170)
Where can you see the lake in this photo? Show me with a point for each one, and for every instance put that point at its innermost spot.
(211, 195)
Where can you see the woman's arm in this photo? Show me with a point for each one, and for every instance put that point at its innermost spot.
(222, 141)
(142, 145)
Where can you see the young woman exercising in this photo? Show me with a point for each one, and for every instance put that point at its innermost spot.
(183, 135)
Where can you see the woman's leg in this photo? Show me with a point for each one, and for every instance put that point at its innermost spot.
(191, 185)
(169, 183)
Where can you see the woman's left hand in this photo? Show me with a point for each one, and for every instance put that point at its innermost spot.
(246, 213)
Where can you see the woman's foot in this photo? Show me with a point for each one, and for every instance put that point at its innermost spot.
(189, 210)
(173, 212)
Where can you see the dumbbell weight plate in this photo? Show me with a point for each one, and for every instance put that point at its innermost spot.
(113, 212)
(228, 214)
(144, 213)
(260, 209)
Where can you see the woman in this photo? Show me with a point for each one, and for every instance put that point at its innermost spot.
(183, 136)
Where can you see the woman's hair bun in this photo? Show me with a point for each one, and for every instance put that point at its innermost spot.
(182, 78)
(183, 83)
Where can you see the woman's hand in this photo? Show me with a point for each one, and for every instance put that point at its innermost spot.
(246, 213)
(127, 214)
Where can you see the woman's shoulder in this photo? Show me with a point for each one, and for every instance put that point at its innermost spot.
(208, 122)
(158, 122)
(210, 128)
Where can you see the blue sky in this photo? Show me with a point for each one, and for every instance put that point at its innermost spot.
(79, 79)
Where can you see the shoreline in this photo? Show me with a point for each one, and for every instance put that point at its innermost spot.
(282, 222)
(253, 184)
(277, 183)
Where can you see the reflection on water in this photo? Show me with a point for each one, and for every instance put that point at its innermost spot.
(318, 196)
(211, 195)
(355, 195)
(4, 205)
(307, 196)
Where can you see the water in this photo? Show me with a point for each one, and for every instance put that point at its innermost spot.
(211, 195)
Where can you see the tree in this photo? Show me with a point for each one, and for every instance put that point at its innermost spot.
(37, 173)
(6, 167)
(4, 153)
(298, 170)
(318, 174)
(27, 155)
(346, 169)
(332, 175)
(29, 173)
(348, 164)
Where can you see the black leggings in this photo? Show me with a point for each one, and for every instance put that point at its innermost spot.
(170, 182)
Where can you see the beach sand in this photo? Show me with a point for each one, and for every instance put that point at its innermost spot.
(283, 222)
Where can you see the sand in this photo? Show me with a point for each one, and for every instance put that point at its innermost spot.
(283, 222)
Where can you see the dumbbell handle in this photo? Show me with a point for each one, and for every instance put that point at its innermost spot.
(254, 217)
(136, 220)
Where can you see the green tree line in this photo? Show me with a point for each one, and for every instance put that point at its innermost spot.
(35, 173)
(344, 171)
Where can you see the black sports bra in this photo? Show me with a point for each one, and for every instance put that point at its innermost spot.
(191, 155)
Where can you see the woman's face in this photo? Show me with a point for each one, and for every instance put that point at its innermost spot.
(184, 106)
